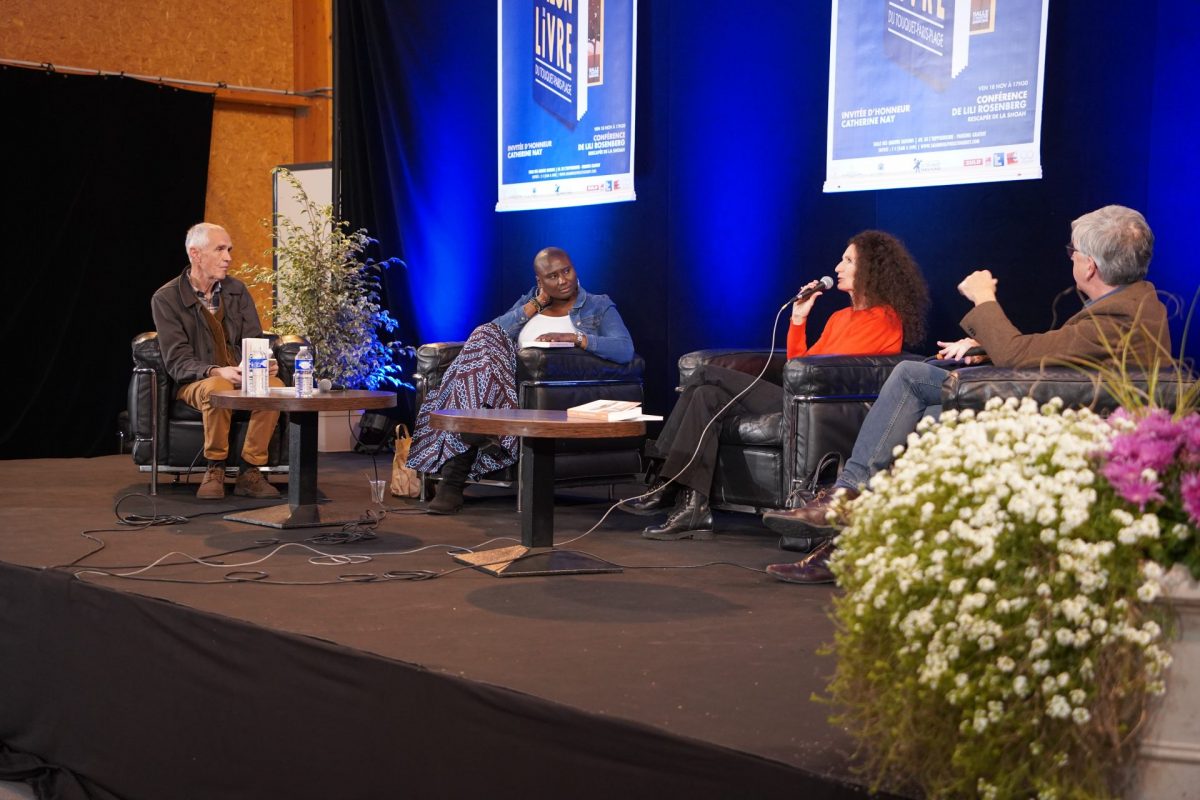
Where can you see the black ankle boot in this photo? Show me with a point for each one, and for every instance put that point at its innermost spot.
(449, 497)
(661, 496)
(691, 519)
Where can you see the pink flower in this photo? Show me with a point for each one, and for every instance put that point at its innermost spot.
(1128, 481)
(1153, 444)
(1190, 428)
(1189, 489)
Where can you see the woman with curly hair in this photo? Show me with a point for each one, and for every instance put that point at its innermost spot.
(888, 302)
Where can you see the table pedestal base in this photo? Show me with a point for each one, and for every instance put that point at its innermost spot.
(305, 516)
(520, 562)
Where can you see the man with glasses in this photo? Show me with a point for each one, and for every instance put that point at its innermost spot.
(1110, 253)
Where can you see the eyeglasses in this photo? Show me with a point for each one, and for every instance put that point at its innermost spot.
(1072, 250)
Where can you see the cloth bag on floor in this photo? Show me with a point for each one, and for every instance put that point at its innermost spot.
(405, 480)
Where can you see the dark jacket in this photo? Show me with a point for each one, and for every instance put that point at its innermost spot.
(1133, 316)
(184, 339)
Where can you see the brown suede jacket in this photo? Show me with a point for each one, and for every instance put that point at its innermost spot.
(1109, 321)
(184, 338)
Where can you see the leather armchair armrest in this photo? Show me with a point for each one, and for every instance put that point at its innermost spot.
(146, 352)
(572, 364)
(742, 359)
(143, 414)
(840, 376)
(285, 349)
(972, 387)
(435, 357)
(432, 361)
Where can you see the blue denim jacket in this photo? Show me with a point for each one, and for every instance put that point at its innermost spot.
(593, 314)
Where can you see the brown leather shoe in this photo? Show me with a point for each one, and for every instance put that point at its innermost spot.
(811, 569)
(213, 485)
(251, 483)
(810, 519)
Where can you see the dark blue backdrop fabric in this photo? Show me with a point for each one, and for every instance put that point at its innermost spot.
(102, 178)
(729, 161)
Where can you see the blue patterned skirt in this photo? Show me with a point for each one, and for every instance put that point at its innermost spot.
(483, 375)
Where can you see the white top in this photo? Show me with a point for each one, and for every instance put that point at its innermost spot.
(540, 323)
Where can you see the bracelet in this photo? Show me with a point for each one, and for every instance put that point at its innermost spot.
(579, 339)
(538, 305)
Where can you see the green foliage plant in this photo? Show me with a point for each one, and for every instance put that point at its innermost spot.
(328, 292)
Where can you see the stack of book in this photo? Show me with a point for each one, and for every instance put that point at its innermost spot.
(610, 411)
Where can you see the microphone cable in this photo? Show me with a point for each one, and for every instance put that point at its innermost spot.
(703, 433)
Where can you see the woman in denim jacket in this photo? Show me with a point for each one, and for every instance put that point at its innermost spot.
(484, 374)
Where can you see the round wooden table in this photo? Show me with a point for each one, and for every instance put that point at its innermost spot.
(301, 510)
(538, 430)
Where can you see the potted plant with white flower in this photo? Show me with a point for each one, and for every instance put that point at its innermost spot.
(996, 635)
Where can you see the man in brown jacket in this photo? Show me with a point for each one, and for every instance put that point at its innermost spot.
(1110, 253)
(202, 316)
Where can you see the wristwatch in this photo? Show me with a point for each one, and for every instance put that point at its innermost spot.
(579, 339)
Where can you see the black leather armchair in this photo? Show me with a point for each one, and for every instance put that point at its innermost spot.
(972, 387)
(771, 460)
(168, 434)
(557, 378)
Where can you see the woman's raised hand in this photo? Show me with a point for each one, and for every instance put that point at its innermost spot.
(800, 308)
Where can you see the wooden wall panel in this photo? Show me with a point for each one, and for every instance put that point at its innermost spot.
(239, 177)
(247, 44)
(313, 69)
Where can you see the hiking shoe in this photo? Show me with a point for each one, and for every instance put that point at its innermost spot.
(213, 485)
(251, 483)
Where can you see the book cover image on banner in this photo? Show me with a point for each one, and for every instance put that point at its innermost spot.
(565, 93)
(934, 92)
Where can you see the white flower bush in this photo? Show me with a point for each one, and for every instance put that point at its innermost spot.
(992, 636)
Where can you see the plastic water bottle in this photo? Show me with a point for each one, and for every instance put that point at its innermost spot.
(256, 381)
(304, 373)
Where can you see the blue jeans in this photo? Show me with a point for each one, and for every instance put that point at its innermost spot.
(912, 392)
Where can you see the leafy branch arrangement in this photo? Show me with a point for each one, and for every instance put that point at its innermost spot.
(327, 292)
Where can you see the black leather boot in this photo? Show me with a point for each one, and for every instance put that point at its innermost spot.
(660, 497)
(691, 519)
(449, 497)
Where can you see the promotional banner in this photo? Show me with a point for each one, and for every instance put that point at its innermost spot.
(566, 76)
(934, 92)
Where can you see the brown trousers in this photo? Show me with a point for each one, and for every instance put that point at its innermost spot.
(216, 422)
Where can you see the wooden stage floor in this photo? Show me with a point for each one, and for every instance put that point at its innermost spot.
(691, 646)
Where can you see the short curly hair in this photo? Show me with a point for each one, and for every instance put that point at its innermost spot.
(886, 274)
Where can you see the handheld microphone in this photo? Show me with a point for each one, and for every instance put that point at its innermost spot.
(823, 285)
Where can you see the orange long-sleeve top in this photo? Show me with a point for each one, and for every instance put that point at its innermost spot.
(874, 331)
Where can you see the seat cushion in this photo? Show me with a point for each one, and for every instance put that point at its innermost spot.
(180, 410)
